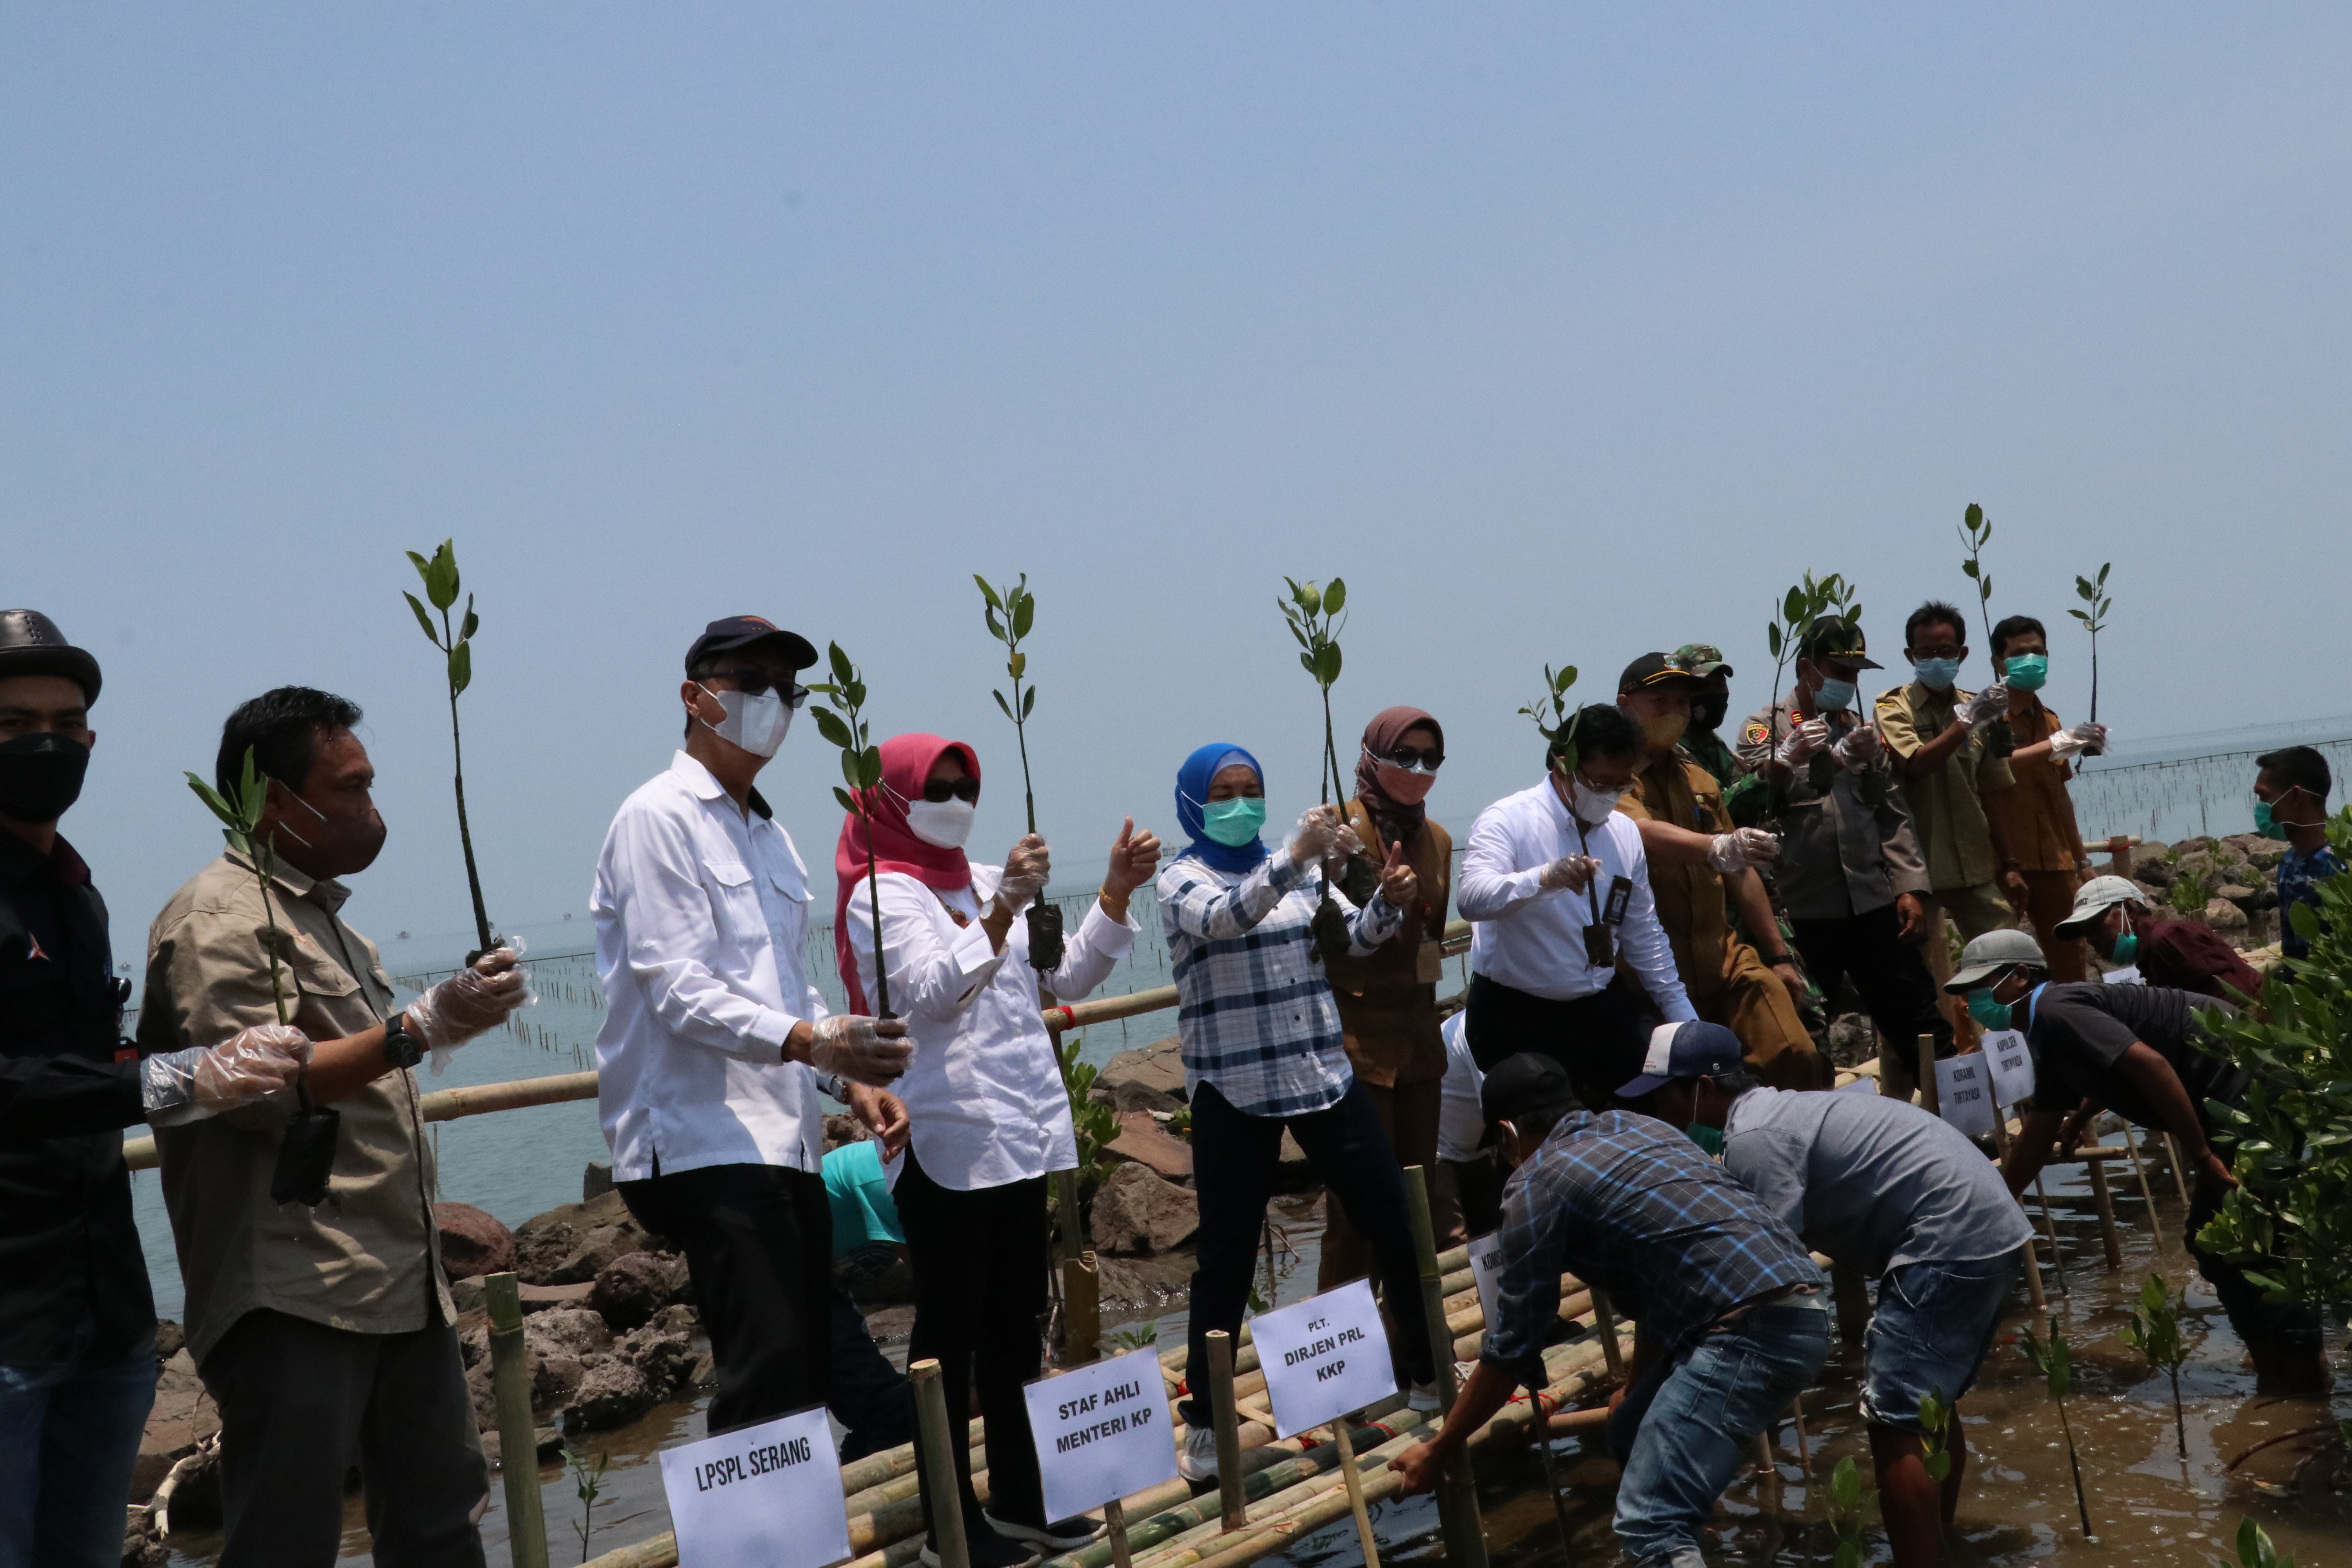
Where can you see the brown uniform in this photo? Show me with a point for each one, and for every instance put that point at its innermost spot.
(2037, 823)
(1388, 1010)
(1727, 982)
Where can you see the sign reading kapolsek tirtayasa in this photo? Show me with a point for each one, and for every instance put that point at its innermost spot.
(761, 1497)
(1323, 1357)
(1102, 1432)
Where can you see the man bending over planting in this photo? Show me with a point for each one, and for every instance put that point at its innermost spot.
(1894, 1193)
(1728, 1310)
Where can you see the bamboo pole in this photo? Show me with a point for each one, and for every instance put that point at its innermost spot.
(938, 1462)
(1229, 1438)
(1604, 1322)
(2147, 1193)
(518, 1438)
(2106, 1206)
(1457, 1490)
(2179, 1176)
(2050, 1228)
(1114, 1525)
(1355, 1485)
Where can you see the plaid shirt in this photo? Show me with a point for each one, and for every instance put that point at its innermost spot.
(1626, 1202)
(1254, 1014)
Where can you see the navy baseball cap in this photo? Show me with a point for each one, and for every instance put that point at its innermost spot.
(1526, 1084)
(1690, 1049)
(743, 631)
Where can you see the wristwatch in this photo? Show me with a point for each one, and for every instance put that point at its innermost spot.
(400, 1046)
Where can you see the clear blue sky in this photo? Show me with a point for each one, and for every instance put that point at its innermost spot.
(1563, 332)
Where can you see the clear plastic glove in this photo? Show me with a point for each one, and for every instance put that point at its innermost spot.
(1027, 867)
(1573, 872)
(1346, 843)
(176, 1087)
(1860, 747)
(469, 1004)
(2088, 734)
(1742, 848)
(1802, 742)
(1317, 831)
(854, 1046)
(1985, 706)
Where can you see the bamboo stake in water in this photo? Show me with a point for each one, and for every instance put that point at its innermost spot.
(2106, 1206)
(2050, 1228)
(1542, 1429)
(1355, 1484)
(940, 1488)
(1604, 1321)
(1114, 1521)
(2147, 1193)
(1233, 1504)
(518, 1439)
(2179, 1176)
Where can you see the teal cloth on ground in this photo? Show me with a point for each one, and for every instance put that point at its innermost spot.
(863, 1212)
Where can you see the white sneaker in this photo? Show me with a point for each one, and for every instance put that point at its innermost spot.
(1197, 1461)
(1422, 1396)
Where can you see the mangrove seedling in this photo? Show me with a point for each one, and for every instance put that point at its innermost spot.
(2255, 1550)
(1096, 1123)
(1313, 614)
(845, 725)
(2056, 1364)
(456, 642)
(1552, 716)
(2092, 592)
(308, 1151)
(1935, 1434)
(1846, 1515)
(590, 1480)
(1805, 603)
(1011, 612)
(2155, 1331)
(1975, 530)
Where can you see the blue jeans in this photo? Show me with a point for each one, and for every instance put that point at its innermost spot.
(1698, 1429)
(68, 1438)
(1934, 1324)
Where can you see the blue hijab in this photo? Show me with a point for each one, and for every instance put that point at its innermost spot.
(1193, 794)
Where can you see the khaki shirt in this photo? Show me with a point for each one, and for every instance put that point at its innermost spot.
(368, 1258)
(1690, 903)
(2037, 817)
(1946, 806)
(1846, 842)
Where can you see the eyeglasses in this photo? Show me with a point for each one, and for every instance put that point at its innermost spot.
(939, 790)
(1418, 762)
(758, 683)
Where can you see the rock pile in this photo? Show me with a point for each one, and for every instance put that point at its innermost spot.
(2230, 884)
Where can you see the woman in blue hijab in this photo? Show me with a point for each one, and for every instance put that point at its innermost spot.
(1262, 1050)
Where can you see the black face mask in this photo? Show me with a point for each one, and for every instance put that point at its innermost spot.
(40, 776)
(1707, 711)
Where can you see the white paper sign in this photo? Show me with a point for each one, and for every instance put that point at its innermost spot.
(1323, 1357)
(2012, 1066)
(1102, 1431)
(764, 1497)
(2129, 975)
(1964, 1093)
(1486, 1268)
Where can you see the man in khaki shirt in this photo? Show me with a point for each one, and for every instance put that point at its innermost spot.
(323, 1333)
(1937, 734)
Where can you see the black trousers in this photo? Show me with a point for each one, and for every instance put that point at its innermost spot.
(300, 1402)
(1234, 1158)
(1889, 973)
(869, 1396)
(980, 1260)
(1598, 1038)
(758, 1244)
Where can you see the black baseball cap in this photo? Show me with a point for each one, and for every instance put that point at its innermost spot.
(30, 643)
(747, 631)
(1526, 1085)
(1833, 636)
(1687, 1049)
(1655, 669)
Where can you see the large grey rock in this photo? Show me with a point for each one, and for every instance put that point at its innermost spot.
(472, 1242)
(665, 1356)
(1137, 1211)
(614, 1393)
(2224, 916)
(580, 1332)
(569, 1244)
(1150, 1079)
(630, 1289)
(1142, 1139)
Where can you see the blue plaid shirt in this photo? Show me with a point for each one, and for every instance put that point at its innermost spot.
(1254, 1014)
(1626, 1202)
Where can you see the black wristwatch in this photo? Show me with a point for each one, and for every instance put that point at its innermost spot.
(400, 1046)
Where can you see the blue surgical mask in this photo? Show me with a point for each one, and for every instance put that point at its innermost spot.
(1233, 823)
(1835, 696)
(1708, 1139)
(1936, 674)
(2026, 673)
(1992, 1014)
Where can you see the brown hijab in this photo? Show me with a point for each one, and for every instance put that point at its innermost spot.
(1397, 819)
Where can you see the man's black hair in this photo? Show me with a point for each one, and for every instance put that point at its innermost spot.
(1534, 1126)
(283, 728)
(1936, 612)
(2016, 626)
(2298, 767)
(1602, 730)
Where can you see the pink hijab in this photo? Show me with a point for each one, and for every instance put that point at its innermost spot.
(906, 762)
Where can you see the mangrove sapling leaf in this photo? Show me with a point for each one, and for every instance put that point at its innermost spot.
(2155, 1331)
(2092, 592)
(307, 1152)
(845, 725)
(1554, 719)
(2255, 1550)
(2055, 1362)
(1010, 613)
(590, 1480)
(1313, 614)
(1935, 1426)
(1976, 530)
(456, 642)
(1846, 1514)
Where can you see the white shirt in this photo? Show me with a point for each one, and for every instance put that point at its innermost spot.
(1531, 937)
(1461, 1123)
(702, 917)
(984, 1094)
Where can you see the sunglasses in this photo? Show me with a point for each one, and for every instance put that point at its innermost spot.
(939, 790)
(1419, 762)
(756, 683)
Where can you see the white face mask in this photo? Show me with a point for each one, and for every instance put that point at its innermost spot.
(1591, 805)
(757, 724)
(946, 823)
